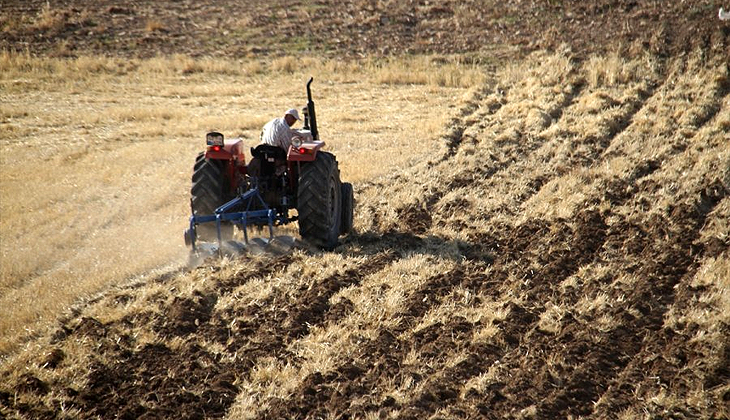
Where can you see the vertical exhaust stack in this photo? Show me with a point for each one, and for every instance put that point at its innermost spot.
(310, 119)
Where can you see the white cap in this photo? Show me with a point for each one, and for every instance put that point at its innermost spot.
(293, 112)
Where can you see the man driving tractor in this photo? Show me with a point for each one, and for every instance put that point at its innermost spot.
(278, 132)
(227, 192)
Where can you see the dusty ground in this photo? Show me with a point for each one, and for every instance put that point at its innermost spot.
(561, 252)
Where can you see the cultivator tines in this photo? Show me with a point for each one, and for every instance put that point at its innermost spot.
(264, 216)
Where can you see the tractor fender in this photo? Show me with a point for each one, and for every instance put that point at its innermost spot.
(307, 152)
(235, 162)
(232, 150)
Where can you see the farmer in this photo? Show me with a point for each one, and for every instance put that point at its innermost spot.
(278, 132)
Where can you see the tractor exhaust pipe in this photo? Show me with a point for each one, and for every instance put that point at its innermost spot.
(310, 119)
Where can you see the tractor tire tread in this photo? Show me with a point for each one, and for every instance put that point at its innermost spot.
(313, 201)
(208, 193)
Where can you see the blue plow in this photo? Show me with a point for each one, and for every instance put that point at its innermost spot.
(263, 217)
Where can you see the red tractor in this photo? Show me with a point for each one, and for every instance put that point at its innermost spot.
(228, 193)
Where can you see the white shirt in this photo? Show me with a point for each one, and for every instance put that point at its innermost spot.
(277, 133)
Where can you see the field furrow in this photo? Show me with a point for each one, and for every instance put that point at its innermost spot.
(559, 250)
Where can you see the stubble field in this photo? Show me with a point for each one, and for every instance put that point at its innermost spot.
(561, 250)
(96, 155)
(540, 237)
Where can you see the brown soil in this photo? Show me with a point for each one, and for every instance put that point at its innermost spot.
(362, 27)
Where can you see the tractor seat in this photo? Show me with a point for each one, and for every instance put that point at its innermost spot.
(269, 158)
(268, 153)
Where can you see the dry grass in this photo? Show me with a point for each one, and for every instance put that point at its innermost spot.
(427, 71)
(376, 300)
(556, 249)
(154, 25)
(611, 70)
(117, 138)
(49, 19)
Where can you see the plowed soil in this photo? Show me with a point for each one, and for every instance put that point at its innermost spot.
(360, 27)
(563, 252)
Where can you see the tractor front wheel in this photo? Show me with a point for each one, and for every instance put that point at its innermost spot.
(319, 201)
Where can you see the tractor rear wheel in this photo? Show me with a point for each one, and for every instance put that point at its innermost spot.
(348, 203)
(209, 191)
(319, 201)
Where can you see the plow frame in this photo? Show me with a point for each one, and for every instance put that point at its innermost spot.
(266, 216)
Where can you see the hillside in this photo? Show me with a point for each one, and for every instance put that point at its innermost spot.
(551, 238)
(355, 28)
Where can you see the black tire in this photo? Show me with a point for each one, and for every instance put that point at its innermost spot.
(319, 201)
(209, 191)
(348, 203)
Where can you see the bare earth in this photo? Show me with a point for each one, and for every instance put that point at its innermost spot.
(562, 252)
(361, 27)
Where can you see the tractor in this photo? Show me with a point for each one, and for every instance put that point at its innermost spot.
(229, 194)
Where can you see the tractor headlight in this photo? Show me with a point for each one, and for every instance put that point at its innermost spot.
(214, 139)
(296, 141)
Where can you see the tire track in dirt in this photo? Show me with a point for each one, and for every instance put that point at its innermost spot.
(591, 353)
(498, 177)
(520, 319)
(544, 165)
(468, 117)
(268, 330)
(706, 103)
(312, 307)
(373, 364)
(591, 158)
(140, 379)
(379, 351)
(606, 361)
(415, 214)
(434, 342)
(695, 208)
(707, 109)
(617, 127)
(657, 294)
